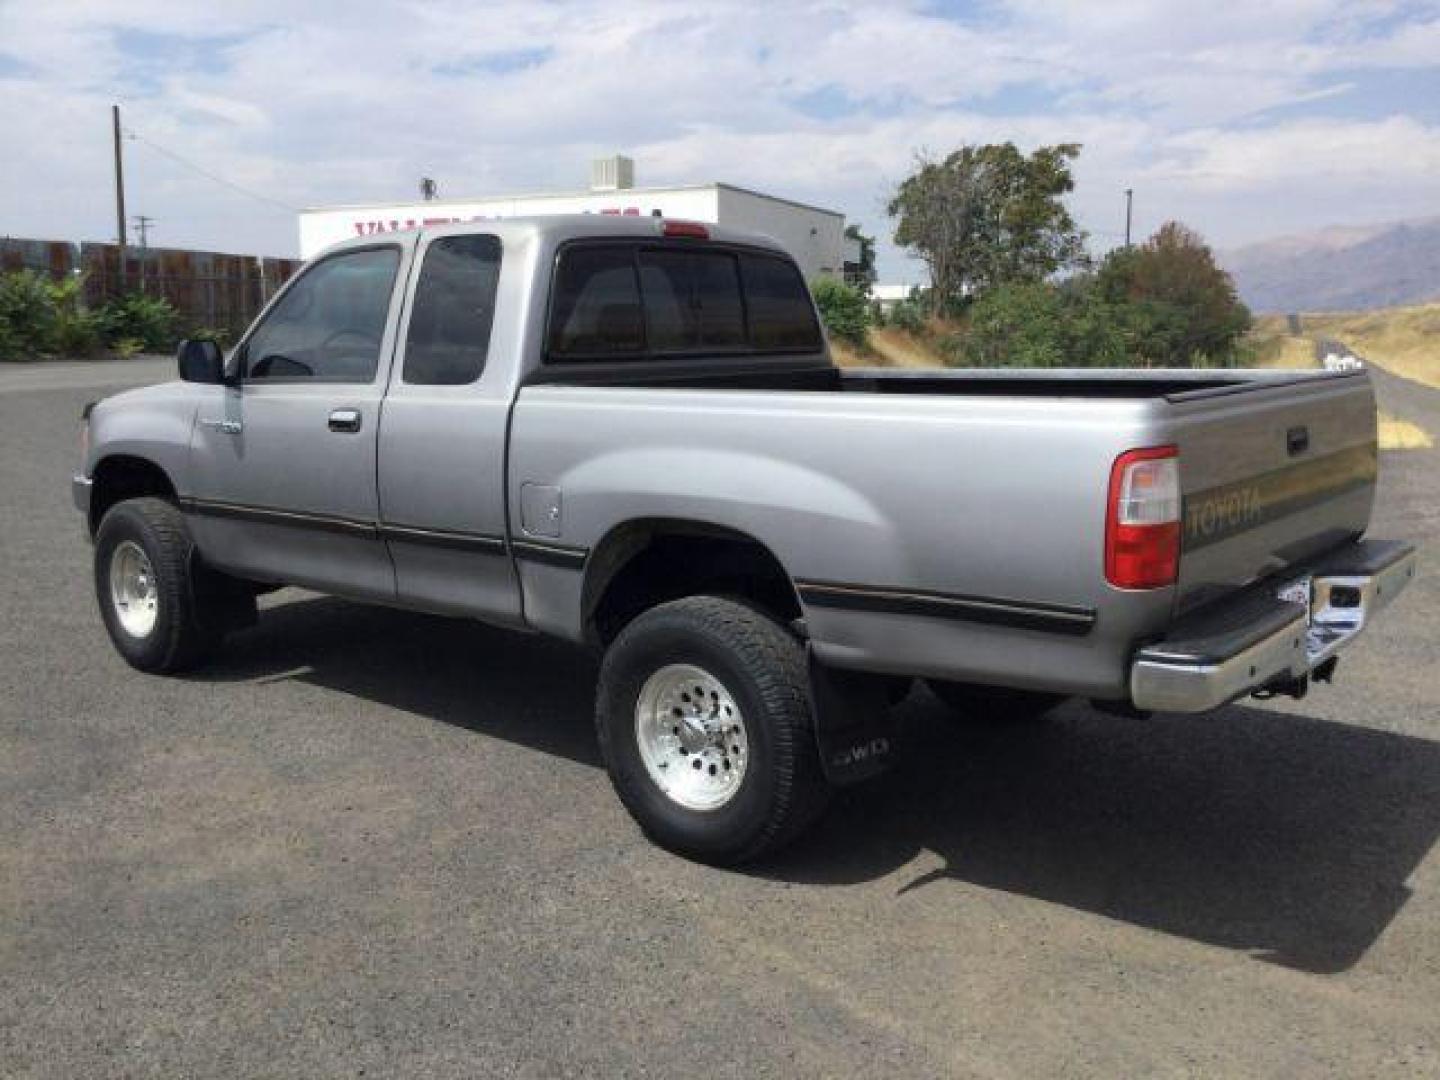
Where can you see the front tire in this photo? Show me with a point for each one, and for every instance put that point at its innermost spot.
(705, 724)
(145, 588)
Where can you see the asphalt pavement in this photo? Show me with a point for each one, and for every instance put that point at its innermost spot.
(367, 842)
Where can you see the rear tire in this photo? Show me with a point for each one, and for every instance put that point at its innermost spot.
(993, 706)
(146, 590)
(705, 723)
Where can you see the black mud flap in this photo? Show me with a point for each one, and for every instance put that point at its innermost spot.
(852, 726)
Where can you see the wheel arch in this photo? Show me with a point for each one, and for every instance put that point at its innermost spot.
(118, 477)
(648, 561)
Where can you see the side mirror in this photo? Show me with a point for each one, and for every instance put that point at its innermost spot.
(200, 361)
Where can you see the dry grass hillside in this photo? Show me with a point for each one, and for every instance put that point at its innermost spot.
(887, 347)
(1405, 340)
(1402, 340)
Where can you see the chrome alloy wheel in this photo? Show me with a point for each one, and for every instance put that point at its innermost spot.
(692, 737)
(132, 589)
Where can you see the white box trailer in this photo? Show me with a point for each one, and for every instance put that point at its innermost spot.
(813, 236)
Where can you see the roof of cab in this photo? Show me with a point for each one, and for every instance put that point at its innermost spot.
(557, 228)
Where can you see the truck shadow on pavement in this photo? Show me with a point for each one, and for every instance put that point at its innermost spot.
(1276, 834)
(529, 690)
(1272, 833)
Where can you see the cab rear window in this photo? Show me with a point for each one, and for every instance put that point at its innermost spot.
(632, 301)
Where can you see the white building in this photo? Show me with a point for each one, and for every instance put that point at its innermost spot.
(815, 237)
(888, 296)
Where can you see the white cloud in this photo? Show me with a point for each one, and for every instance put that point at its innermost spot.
(824, 100)
(1348, 155)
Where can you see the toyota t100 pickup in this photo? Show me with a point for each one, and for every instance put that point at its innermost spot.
(628, 433)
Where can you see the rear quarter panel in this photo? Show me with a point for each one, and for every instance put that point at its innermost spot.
(981, 497)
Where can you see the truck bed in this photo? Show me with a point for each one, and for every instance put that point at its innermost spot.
(981, 490)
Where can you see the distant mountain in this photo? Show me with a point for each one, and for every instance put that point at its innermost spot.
(1340, 269)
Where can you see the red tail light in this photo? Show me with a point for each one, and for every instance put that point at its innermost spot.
(1142, 530)
(692, 229)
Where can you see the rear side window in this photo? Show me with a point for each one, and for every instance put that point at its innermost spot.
(781, 316)
(596, 307)
(636, 300)
(692, 301)
(453, 312)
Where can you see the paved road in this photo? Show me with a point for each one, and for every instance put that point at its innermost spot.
(373, 843)
(1408, 400)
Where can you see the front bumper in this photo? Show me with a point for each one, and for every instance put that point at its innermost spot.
(1259, 640)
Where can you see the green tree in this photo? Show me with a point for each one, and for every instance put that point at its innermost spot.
(1180, 306)
(843, 309)
(864, 275)
(987, 216)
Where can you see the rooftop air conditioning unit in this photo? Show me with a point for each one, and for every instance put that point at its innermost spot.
(612, 173)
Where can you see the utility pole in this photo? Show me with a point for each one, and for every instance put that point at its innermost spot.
(119, 195)
(1129, 200)
(142, 225)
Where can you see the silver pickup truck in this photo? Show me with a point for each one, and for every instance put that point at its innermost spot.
(628, 433)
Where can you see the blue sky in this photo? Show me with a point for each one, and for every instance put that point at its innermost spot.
(1243, 120)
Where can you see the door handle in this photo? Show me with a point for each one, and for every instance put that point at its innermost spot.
(345, 420)
(225, 427)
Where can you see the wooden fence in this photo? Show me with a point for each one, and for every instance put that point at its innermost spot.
(208, 288)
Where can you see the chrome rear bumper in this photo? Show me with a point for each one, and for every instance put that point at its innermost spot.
(1259, 640)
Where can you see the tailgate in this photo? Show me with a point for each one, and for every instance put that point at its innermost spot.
(1271, 475)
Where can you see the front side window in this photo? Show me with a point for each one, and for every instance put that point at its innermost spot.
(329, 324)
(454, 309)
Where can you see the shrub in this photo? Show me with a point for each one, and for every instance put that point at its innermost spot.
(9, 343)
(75, 331)
(25, 314)
(908, 316)
(1016, 326)
(149, 320)
(1041, 325)
(39, 317)
(844, 310)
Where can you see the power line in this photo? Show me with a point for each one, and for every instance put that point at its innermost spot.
(207, 174)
